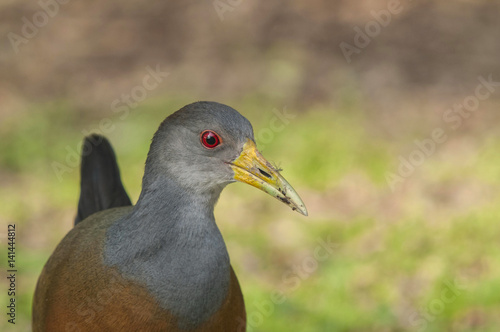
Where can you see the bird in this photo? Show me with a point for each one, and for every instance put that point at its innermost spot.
(161, 264)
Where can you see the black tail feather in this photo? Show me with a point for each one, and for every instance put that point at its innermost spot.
(101, 185)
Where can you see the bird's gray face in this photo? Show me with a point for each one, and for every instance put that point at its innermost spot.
(207, 145)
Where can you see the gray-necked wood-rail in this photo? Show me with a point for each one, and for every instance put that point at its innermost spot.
(161, 265)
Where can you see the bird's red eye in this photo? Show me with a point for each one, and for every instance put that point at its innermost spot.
(210, 139)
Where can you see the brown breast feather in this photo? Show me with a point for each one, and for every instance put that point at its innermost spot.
(77, 292)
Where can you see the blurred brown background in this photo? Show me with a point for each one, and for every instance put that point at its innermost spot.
(90, 51)
(64, 65)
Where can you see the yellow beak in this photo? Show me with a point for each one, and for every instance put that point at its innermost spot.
(252, 168)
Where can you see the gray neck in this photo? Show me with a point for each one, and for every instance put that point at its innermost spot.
(171, 244)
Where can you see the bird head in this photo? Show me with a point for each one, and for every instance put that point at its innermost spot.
(206, 145)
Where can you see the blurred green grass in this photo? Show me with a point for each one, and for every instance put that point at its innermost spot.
(395, 251)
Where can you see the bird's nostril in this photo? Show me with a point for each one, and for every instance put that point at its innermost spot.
(267, 175)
